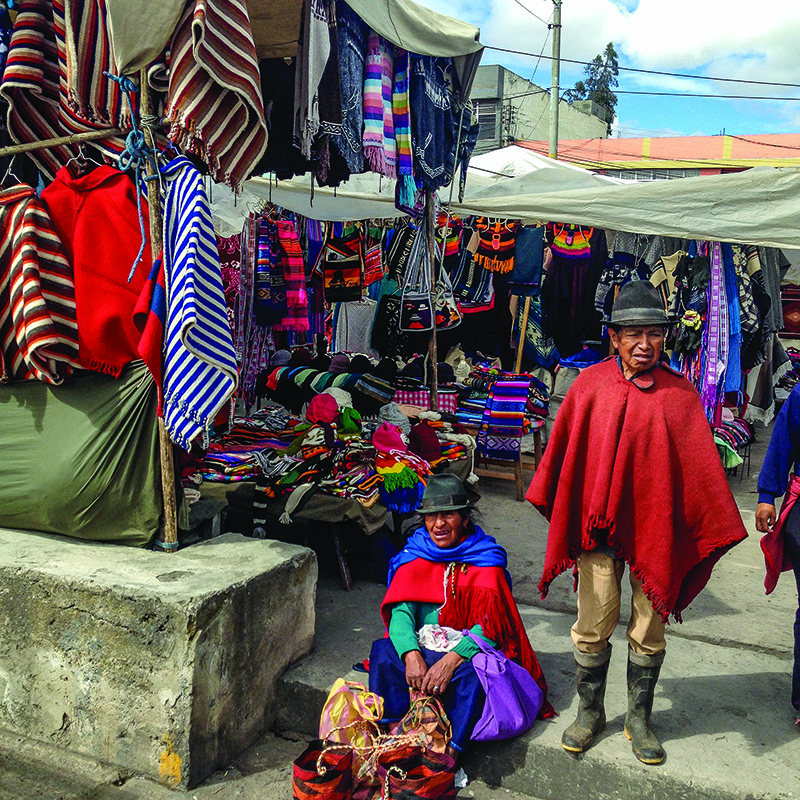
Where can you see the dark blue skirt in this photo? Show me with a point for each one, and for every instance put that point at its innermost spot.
(463, 699)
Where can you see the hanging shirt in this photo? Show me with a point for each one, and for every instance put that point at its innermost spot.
(200, 374)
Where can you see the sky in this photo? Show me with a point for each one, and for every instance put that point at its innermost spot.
(715, 38)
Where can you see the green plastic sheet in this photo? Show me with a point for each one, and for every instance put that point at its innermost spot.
(82, 459)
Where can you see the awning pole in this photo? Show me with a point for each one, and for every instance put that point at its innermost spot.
(170, 523)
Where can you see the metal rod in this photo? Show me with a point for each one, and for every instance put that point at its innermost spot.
(170, 525)
(433, 357)
(43, 144)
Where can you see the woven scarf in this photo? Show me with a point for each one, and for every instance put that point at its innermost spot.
(716, 336)
(497, 245)
(402, 115)
(380, 147)
(291, 259)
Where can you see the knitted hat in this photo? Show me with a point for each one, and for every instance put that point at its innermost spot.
(638, 303)
(339, 363)
(391, 413)
(322, 408)
(343, 398)
(375, 388)
(388, 437)
(359, 363)
(423, 442)
(301, 358)
(445, 373)
(280, 358)
(321, 362)
(386, 369)
(413, 369)
(349, 423)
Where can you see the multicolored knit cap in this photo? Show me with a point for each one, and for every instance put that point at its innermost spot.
(403, 474)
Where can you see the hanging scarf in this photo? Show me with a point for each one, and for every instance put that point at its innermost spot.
(380, 147)
(716, 336)
(497, 245)
(291, 258)
(401, 111)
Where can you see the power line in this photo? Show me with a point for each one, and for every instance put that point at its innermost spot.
(649, 71)
(669, 94)
(531, 13)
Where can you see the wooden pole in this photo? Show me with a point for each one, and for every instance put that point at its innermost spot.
(42, 144)
(433, 356)
(170, 531)
(526, 310)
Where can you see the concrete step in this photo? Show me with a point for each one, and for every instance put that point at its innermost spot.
(722, 713)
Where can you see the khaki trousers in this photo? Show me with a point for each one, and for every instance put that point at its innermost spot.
(599, 593)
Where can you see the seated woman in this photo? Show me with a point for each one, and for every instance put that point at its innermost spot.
(450, 574)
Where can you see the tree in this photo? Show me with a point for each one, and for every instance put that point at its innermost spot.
(601, 79)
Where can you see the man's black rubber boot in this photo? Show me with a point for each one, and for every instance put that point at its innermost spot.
(592, 670)
(642, 678)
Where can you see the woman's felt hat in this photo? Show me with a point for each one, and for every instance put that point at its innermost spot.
(638, 303)
(443, 493)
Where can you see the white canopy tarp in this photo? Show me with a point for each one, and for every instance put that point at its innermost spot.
(758, 206)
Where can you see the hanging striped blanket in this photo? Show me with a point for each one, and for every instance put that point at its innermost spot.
(500, 435)
(38, 327)
(200, 363)
(53, 80)
(291, 259)
(215, 102)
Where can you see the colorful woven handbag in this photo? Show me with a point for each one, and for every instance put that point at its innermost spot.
(323, 772)
(414, 773)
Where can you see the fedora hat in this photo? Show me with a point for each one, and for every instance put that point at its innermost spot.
(638, 303)
(443, 493)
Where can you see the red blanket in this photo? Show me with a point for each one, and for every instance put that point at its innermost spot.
(638, 468)
(475, 595)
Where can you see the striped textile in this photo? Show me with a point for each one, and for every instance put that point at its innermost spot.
(200, 363)
(402, 115)
(291, 258)
(500, 435)
(38, 327)
(53, 80)
(380, 148)
(215, 102)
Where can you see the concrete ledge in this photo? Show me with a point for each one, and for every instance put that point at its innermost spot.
(164, 665)
(722, 713)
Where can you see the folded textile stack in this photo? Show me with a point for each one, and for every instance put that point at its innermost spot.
(502, 426)
(353, 475)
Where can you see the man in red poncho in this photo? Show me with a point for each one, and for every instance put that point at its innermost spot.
(631, 475)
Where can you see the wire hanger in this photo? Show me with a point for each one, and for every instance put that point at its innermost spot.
(10, 172)
(82, 160)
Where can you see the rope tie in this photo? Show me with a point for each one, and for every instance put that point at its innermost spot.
(136, 155)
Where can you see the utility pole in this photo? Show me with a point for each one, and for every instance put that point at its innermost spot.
(556, 70)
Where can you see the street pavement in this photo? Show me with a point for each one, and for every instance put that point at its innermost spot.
(721, 707)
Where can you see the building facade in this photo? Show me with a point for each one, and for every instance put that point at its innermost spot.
(511, 108)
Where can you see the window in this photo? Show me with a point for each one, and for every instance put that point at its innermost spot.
(486, 112)
(651, 174)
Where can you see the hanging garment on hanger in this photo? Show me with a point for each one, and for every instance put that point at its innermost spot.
(352, 49)
(497, 244)
(38, 320)
(380, 146)
(525, 278)
(97, 219)
(353, 327)
(200, 373)
(291, 260)
(269, 298)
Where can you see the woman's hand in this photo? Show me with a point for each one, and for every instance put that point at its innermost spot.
(438, 676)
(416, 668)
(765, 517)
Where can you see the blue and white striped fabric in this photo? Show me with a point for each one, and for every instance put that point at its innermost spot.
(200, 373)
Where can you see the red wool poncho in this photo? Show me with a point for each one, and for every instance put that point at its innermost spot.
(636, 468)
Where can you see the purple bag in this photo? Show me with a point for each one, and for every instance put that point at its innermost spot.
(513, 698)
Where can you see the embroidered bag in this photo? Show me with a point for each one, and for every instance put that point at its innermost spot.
(446, 310)
(416, 311)
(513, 698)
(373, 266)
(343, 268)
